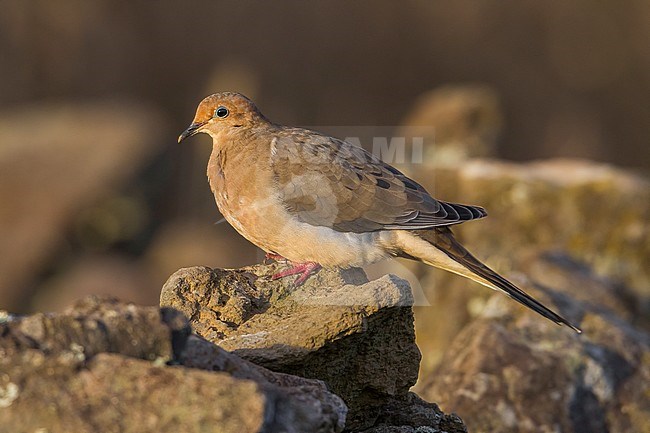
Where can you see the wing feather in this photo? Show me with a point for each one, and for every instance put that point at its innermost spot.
(328, 182)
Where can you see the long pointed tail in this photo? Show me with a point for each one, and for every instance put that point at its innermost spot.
(443, 239)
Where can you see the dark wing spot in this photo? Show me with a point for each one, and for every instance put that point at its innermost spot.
(409, 184)
(381, 183)
(392, 169)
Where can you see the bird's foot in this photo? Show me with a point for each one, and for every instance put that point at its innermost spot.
(303, 270)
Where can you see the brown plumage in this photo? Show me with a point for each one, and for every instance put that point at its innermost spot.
(317, 200)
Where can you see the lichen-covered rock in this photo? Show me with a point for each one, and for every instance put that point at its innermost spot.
(594, 212)
(98, 325)
(356, 336)
(506, 372)
(113, 393)
(112, 367)
(107, 366)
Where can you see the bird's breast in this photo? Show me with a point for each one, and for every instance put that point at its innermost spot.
(249, 200)
(230, 194)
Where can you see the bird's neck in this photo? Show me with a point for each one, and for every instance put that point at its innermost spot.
(227, 153)
(237, 150)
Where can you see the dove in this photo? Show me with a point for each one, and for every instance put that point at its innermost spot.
(318, 201)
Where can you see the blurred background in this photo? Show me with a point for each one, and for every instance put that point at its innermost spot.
(96, 196)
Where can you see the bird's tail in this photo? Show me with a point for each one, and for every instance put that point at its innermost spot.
(443, 240)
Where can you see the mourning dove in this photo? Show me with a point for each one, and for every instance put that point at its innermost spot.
(319, 201)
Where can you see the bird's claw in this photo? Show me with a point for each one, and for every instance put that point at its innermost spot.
(303, 270)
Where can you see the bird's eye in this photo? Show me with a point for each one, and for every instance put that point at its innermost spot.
(221, 112)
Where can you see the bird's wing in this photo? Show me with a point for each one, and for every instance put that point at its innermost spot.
(328, 182)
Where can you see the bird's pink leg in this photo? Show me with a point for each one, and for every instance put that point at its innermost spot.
(304, 270)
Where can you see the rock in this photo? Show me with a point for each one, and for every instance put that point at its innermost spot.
(596, 213)
(593, 211)
(303, 404)
(107, 366)
(97, 325)
(111, 393)
(411, 414)
(48, 174)
(356, 336)
(506, 372)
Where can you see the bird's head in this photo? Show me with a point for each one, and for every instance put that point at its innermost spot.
(221, 112)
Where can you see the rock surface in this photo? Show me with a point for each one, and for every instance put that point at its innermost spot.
(102, 365)
(356, 336)
(596, 213)
(411, 414)
(504, 363)
(111, 367)
(593, 211)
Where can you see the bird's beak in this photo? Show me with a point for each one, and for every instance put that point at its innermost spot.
(191, 130)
